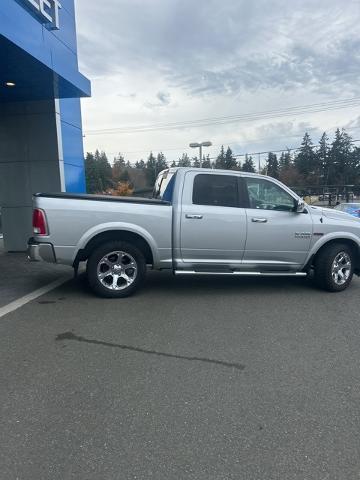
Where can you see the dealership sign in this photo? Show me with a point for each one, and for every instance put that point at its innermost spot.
(47, 11)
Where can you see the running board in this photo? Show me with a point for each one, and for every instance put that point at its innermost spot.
(260, 274)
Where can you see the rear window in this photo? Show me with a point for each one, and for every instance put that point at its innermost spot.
(164, 186)
(217, 190)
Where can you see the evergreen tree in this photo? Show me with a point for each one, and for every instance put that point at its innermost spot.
(341, 157)
(206, 163)
(220, 161)
(118, 167)
(285, 160)
(91, 174)
(173, 164)
(229, 161)
(140, 164)
(125, 177)
(195, 162)
(184, 161)
(323, 159)
(248, 165)
(306, 160)
(120, 160)
(355, 165)
(150, 170)
(272, 165)
(161, 163)
(104, 171)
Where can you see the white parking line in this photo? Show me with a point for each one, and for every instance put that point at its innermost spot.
(10, 307)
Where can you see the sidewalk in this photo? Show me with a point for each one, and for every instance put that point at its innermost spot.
(19, 276)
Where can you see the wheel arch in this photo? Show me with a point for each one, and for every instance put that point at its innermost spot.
(352, 243)
(131, 237)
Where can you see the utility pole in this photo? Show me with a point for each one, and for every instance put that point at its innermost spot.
(200, 146)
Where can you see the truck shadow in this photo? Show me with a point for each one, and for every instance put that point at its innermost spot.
(161, 283)
(213, 284)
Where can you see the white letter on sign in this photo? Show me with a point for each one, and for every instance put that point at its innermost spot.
(57, 6)
(34, 4)
(43, 4)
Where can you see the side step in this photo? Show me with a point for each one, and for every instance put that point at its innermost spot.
(243, 273)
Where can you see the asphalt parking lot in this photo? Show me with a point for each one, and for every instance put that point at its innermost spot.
(193, 378)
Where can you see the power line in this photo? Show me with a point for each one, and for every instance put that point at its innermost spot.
(247, 117)
(258, 140)
(335, 103)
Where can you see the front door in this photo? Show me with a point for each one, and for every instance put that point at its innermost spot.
(277, 236)
(213, 226)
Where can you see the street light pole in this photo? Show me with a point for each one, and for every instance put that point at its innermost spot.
(200, 146)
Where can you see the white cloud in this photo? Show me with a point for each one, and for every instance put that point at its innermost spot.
(153, 61)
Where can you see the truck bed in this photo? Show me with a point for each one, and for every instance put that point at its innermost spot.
(103, 198)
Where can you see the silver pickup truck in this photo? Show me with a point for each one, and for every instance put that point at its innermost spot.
(198, 222)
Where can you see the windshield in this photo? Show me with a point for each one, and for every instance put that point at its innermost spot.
(164, 184)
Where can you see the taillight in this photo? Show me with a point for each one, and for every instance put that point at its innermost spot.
(39, 222)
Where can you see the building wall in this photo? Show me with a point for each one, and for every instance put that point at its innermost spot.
(56, 49)
(72, 145)
(41, 141)
(30, 161)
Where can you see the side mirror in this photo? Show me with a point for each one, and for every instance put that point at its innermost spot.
(300, 206)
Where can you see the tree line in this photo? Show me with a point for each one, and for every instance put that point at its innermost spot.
(326, 163)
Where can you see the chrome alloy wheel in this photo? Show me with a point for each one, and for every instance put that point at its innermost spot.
(341, 268)
(117, 270)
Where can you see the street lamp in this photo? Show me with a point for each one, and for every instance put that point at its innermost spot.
(200, 146)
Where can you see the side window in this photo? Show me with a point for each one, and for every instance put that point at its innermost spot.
(266, 195)
(217, 190)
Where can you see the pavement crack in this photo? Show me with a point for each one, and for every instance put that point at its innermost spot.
(78, 338)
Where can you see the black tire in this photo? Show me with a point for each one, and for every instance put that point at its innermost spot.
(107, 286)
(325, 268)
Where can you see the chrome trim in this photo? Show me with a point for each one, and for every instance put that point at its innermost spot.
(260, 274)
(41, 252)
(259, 220)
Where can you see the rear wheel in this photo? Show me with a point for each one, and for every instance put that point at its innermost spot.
(116, 269)
(334, 267)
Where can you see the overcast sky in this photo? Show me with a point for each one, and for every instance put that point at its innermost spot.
(165, 61)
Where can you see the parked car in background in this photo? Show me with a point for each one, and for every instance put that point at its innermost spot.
(198, 222)
(351, 208)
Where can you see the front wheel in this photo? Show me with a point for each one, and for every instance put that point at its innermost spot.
(334, 267)
(116, 269)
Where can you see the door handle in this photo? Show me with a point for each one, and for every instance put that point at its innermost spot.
(193, 216)
(259, 220)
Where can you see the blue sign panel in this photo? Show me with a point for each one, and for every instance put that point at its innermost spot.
(38, 55)
(47, 11)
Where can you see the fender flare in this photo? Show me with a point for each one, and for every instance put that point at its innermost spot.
(117, 226)
(330, 237)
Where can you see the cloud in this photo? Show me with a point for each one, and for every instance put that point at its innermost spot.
(127, 95)
(189, 60)
(163, 100)
(224, 47)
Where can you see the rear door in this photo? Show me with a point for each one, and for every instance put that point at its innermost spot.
(213, 226)
(277, 236)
